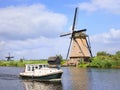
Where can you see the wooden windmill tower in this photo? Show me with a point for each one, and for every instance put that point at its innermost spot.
(79, 46)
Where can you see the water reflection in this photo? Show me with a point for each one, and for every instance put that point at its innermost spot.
(33, 85)
(66, 79)
(79, 78)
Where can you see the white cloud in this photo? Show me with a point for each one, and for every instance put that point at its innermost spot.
(36, 48)
(109, 41)
(23, 22)
(112, 6)
(31, 31)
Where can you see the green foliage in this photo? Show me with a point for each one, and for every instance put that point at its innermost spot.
(118, 53)
(105, 60)
(83, 65)
(102, 53)
(21, 63)
(12, 63)
(60, 56)
(21, 60)
(100, 62)
(2, 63)
(63, 62)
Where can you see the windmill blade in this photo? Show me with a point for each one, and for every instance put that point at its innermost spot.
(65, 34)
(74, 21)
(12, 56)
(69, 49)
(89, 46)
(82, 30)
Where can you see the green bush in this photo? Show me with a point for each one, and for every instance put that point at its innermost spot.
(100, 62)
(83, 65)
(107, 64)
(63, 62)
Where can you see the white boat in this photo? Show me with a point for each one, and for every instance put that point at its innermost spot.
(41, 72)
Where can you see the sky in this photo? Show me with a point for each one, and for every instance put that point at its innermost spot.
(31, 28)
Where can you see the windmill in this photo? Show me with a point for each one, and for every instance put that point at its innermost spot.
(79, 47)
(9, 57)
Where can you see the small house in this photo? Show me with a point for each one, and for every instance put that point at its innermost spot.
(54, 61)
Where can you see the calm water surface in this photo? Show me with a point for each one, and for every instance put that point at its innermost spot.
(72, 79)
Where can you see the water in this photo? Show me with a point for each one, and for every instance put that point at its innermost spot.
(104, 79)
(72, 79)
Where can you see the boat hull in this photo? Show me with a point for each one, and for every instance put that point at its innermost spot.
(55, 76)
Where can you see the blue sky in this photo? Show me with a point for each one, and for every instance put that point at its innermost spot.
(31, 28)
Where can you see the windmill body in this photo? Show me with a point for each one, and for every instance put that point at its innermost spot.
(79, 47)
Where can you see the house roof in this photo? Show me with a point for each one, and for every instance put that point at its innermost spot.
(53, 58)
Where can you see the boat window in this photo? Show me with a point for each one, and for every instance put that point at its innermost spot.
(32, 68)
(28, 68)
(46, 65)
(40, 66)
(36, 67)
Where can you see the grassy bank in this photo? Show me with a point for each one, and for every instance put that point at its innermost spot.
(16, 63)
(101, 60)
(104, 60)
(22, 63)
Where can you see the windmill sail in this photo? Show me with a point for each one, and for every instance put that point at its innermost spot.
(74, 21)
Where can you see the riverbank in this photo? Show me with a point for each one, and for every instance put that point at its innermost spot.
(96, 63)
(20, 63)
(104, 60)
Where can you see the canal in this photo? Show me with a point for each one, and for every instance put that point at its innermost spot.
(72, 79)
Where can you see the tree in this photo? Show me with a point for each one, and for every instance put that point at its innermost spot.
(102, 53)
(118, 53)
(60, 56)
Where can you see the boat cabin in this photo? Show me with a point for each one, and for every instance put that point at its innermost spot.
(54, 60)
(33, 67)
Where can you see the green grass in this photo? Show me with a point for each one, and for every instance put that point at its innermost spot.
(21, 63)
